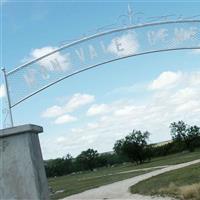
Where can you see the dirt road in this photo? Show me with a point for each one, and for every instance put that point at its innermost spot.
(120, 189)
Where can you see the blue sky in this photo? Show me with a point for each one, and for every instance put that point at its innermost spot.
(97, 107)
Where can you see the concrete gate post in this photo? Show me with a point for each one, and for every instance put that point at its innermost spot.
(22, 173)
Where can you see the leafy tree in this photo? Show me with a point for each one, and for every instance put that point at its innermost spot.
(88, 159)
(178, 131)
(134, 146)
(185, 135)
(193, 136)
(118, 146)
(59, 166)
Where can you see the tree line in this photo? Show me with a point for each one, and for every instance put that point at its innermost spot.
(132, 148)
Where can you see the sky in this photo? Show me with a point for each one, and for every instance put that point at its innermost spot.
(97, 107)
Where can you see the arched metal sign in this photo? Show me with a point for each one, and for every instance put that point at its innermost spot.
(98, 49)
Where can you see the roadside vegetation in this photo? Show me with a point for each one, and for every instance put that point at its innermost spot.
(183, 184)
(90, 169)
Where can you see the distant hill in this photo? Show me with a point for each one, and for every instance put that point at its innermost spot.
(154, 144)
(162, 143)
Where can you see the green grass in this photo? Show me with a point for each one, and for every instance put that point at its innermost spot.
(75, 183)
(175, 184)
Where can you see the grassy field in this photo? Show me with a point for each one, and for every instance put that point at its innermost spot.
(75, 183)
(182, 183)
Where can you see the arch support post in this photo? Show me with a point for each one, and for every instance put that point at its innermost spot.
(22, 173)
(8, 96)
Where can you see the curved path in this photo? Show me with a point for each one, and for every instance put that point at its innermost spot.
(120, 189)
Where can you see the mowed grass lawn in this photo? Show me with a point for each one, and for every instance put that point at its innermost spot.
(181, 183)
(75, 183)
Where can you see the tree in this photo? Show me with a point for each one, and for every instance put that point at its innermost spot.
(88, 159)
(134, 146)
(193, 136)
(178, 131)
(59, 166)
(185, 135)
(118, 146)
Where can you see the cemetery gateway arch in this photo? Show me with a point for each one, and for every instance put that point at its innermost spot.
(21, 148)
(99, 49)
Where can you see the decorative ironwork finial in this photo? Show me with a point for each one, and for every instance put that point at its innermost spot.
(130, 14)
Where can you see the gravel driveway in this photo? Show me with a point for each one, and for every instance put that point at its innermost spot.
(120, 189)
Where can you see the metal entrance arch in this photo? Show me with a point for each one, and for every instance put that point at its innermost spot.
(57, 64)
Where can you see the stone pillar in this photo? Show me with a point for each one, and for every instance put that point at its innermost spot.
(22, 173)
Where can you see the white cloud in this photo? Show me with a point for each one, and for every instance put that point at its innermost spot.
(60, 140)
(127, 110)
(189, 106)
(76, 101)
(65, 119)
(2, 91)
(185, 94)
(155, 115)
(76, 130)
(53, 111)
(54, 62)
(194, 79)
(96, 109)
(124, 45)
(92, 125)
(165, 80)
